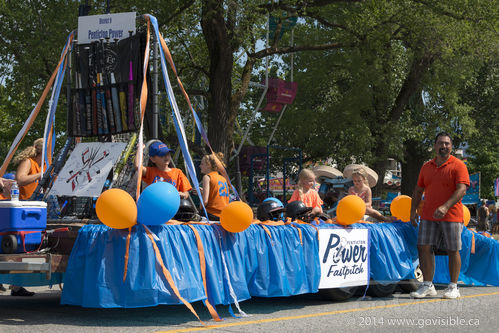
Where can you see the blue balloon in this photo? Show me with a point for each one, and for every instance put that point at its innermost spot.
(157, 204)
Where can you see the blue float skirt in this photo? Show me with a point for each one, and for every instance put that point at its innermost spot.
(258, 264)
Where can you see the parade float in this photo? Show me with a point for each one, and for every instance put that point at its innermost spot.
(132, 252)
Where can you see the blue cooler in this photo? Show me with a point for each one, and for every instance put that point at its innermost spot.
(21, 217)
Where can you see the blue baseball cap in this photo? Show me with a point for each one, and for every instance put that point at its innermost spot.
(158, 148)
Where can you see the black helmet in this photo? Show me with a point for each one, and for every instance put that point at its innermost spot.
(297, 210)
(270, 210)
(186, 211)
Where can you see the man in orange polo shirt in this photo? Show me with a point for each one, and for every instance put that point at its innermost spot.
(444, 181)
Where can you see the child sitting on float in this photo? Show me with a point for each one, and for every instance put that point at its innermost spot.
(361, 189)
(160, 157)
(215, 191)
(306, 193)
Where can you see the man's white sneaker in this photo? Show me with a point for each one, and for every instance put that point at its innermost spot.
(451, 293)
(424, 291)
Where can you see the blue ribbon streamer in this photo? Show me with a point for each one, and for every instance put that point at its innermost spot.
(199, 125)
(179, 128)
(55, 98)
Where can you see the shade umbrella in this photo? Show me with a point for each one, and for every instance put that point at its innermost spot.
(372, 176)
(327, 172)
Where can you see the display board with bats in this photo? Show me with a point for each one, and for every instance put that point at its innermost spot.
(106, 76)
(87, 169)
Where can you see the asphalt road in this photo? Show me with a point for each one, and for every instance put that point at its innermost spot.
(475, 311)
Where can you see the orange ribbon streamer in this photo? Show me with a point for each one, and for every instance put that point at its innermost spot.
(169, 59)
(202, 263)
(127, 253)
(168, 276)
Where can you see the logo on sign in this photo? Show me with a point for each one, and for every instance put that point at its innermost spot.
(344, 256)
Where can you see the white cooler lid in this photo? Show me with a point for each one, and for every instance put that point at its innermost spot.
(31, 204)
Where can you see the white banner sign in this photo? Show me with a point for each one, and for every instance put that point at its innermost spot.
(87, 168)
(113, 26)
(344, 256)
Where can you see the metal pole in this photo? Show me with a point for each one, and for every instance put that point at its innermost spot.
(155, 79)
(250, 183)
(69, 99)
(276, 125)
(267, 176)
(239, 185)
(292, 53)
(284, 177)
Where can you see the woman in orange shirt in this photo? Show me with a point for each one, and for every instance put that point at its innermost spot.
(29, 171)
(215, 192)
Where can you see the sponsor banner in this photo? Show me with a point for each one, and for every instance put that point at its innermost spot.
(114, 26)
(344, 256)
(472, 195)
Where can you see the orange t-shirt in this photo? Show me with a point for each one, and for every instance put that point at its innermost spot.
(175, 177)
(218, 196)
(3, 197)
(439, 184)
(26, 191)
(310, 199)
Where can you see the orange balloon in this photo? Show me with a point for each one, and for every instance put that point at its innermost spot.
(401, 207)
(236, 216)
(116, 209)
(466, 215)
(350, 209)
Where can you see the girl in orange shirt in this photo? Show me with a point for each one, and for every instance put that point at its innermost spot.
(160, 156)
(29, 170)
(215, 191)
(305, 192)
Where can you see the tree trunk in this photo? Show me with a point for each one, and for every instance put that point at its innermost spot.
(221, 116)
(414, 156)
(380, 168)
(409, 88)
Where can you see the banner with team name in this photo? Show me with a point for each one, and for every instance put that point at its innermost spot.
(112, 26)
(344, 257)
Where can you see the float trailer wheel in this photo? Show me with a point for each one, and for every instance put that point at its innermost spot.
(338, 294)
(9, 244)
(412, 284)
(377, 289)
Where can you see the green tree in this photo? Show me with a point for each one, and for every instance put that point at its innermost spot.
(362, 66)
(371, 92)
(32, 36)
(482, 93)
